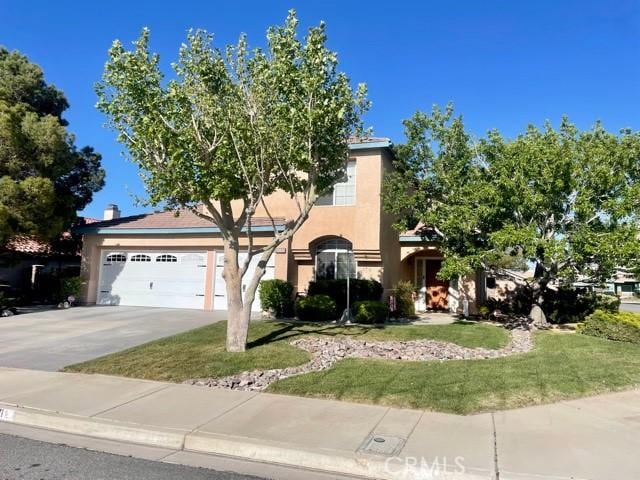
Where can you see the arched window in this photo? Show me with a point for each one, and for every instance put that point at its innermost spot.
(334, 259)
(166, 258)
(192, 258)
(116, 258)
(140, 258)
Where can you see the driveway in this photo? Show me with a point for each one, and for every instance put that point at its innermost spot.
(52, 339)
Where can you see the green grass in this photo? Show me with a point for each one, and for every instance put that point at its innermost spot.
(201, 353)
(561, 366)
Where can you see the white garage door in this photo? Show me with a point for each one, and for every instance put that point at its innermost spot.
(220, 288)
(153, 279)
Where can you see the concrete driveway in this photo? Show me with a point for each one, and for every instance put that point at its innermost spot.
(52, 339)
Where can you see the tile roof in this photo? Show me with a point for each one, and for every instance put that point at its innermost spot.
(27, 244)
(170, 220)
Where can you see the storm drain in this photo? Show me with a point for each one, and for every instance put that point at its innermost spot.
(382, 445)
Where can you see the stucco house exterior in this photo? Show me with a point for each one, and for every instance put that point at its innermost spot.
(160, 259)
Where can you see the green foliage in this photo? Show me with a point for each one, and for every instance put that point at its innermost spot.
(359, 289)
(71, 286)
(564, 200)
(233, 124)
(562, 305)
(44, 178)
(608, 303)
(277, 296)
(315, 308)
(622, 326)
(370, 311)
(484, 311)
(405, 306)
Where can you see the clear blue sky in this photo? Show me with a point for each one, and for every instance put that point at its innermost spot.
(503, 63)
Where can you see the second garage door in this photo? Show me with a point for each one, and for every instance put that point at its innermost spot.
(220, 288)
(153, 279)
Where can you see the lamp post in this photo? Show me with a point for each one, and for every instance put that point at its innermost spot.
(346, 315)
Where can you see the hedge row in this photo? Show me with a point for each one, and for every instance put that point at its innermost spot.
(622, 326)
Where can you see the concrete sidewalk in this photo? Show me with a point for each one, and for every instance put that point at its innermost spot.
(593, 438)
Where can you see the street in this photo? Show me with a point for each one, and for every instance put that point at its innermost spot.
(630, 307)
(22, 458)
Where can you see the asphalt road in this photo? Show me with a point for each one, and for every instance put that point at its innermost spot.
(22, 458)
(630, 307)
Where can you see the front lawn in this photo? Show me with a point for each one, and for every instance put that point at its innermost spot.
(201, 353)
(561, 366)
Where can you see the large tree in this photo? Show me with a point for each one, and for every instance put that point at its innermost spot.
(235, 125)
(44, 178)
(567, 201)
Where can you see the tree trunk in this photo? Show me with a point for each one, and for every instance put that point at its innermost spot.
(239, 300)
(238, 320)
(536, 314)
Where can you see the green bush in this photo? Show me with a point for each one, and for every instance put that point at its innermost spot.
(370, 311)
(315, 308)
(403, 292)
(622, 326)
(276, 296)
(608, 303)
(359, 290)
(564, 305)
(70, 286)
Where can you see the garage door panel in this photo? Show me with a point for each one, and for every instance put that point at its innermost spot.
(140, 279)
(220, 289)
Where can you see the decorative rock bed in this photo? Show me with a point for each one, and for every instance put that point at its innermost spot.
(326, 352)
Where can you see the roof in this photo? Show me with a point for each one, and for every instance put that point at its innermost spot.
(361, 143)
(27, 244)
(420, 233)
(181, 221)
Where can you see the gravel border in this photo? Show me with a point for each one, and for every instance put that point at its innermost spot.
(326, 352)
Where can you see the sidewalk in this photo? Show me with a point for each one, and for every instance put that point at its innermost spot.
(594, 438)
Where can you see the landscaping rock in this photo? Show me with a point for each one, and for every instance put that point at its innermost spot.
(326, 352)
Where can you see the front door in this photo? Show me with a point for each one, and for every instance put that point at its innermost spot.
(431, 291)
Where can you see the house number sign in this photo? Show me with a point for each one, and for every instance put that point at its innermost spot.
(7, 415)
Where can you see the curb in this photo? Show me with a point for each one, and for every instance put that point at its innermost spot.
(327, 461)
(92, 427)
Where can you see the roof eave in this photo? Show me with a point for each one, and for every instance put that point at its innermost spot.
(165, 231)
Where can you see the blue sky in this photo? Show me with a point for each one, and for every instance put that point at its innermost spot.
(504, 64)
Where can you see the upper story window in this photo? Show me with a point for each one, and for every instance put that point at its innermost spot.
(343, 193)
(334, 259)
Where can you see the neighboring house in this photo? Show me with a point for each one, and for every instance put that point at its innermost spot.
(26, 263)
(503, 283)
(160, 259)
(624, 283)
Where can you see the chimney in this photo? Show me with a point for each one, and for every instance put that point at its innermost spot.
(111, 212)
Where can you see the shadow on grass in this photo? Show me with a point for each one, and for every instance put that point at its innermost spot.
(292, 330)
(289, 331)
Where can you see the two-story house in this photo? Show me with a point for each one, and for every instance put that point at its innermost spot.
(160, 259)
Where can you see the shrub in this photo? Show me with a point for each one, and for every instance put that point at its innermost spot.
(608, 303)
(622, 326)
(315, 308)
(564, 305)
(276, 296)
(370, 311)
(359, 290)
(403, 292)
(70, 286)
